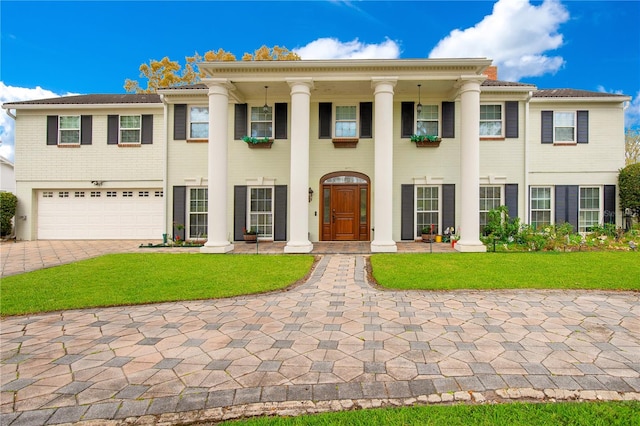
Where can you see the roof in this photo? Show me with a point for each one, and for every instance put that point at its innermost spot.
(144, 98)
(573, 93)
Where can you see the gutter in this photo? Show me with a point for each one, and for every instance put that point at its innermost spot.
(8, 111)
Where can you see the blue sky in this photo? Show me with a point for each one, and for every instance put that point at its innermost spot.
(53, 48)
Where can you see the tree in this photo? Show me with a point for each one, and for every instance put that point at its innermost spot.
(629, 187)
(632, 146)
(8, 204)
(276, 53)
(168, 73)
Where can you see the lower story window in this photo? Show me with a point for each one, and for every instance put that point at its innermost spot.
(261, 211)
(540, 207)
(490, 199)
(589, 210)
(427, 208)
(198, 212)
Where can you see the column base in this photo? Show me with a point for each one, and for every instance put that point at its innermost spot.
(298, 247)
(384, 247)
(463, 246)
(216, 247)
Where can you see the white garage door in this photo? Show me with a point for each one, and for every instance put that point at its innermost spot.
(100, 214)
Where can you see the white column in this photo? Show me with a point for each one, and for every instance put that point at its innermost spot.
(383, 167)
(470, 167)
(217, 164)
(299, 182)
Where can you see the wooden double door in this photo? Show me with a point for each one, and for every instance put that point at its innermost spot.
(345, 208)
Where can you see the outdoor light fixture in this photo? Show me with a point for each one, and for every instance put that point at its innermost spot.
(310, 194)
(265, 108)
(419, 103)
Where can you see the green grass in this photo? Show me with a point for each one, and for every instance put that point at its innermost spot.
(540, 270)
(516, 414)
(129, 279)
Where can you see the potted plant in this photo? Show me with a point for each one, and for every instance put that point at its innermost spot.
(253, 142)
(422, 141)
(250, 235)
(427, 234)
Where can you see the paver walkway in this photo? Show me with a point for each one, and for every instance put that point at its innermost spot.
(334, 340)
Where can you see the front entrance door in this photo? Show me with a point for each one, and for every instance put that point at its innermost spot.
(345, 207)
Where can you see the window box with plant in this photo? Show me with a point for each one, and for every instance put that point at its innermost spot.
(423, 141)
(256, 143)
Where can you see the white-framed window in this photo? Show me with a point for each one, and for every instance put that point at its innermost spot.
(130, 129)
(427, 120)
(427, 208)
(260, 211)
(198, 122)
(540, 207)
(198, 212)
(490, 199)
(47, 194)
(346, 123)
(590, 207)
(69, 130)
(564, 126)
(262, 122)
(491, 120)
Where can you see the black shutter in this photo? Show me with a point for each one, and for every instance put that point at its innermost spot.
(52, 130)
(324, 120)
(147, 129)
(407, 231)
(366, 119)
(239, 211)
(240, 123)
(86, 122)
(547, 126)
(610, 204)
(566, 204)
(583, 127)
(406, 120)
(280, 213)
(511, 119)
(179, 210)
(180, 122)
(281, 121)
(448, 206)
(511, 198)
(113, 128)
(448, 119)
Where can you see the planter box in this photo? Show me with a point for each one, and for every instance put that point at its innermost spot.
(260, 145)
(427, 144)
(345, 143)
(251, 238)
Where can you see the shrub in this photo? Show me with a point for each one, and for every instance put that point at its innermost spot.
(8, 204)
(629, 184)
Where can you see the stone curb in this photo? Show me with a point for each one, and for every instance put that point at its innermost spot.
(298, 408)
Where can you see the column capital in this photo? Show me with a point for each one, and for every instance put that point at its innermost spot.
(377, 83)
(219, 85)
(300, 82)
(468, 83)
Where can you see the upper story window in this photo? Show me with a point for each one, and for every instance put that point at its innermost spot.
(346, 124)
(491, 120)
(130, 128)
(427, 120)
(198, 122)
(564, 126)
(262, 122)
(69, 129)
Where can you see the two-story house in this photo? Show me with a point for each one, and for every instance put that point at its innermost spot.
(340, 163)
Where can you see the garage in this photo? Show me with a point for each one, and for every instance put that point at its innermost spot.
(97, 214)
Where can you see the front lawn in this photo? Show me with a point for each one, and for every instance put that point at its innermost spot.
(129, 279)
(484, 271)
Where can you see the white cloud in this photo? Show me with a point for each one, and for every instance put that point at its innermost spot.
(16, 94)
(515, 36)
(332, 48)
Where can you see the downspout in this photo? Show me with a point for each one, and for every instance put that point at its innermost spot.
(526, 158)
(165, 172)
(8, 111)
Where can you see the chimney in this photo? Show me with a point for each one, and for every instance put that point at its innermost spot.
(491, 72)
